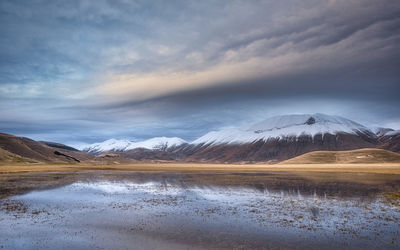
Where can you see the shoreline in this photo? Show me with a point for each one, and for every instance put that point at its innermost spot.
(376, 168)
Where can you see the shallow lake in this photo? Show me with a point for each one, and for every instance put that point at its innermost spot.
(168, 214)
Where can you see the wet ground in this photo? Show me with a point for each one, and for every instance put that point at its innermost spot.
(166, 210)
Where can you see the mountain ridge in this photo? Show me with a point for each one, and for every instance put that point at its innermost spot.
(284, 126)
(114, 145)
(274, 139)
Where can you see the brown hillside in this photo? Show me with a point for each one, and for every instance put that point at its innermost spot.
(10, 158)
(367, 155)
(37, 151)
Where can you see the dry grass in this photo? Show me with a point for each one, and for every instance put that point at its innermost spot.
(393, 198)
(381, 168)
(358, 156)
(10, 158)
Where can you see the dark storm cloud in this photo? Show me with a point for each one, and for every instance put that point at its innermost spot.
(81, 71)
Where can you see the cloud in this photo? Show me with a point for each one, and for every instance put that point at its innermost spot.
(267, 52)
(140, 68)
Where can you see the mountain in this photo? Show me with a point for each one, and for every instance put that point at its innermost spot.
(367, 155)
(21, 149)
(279, 138)
(156, 143)
(281, 127)
(274, 139)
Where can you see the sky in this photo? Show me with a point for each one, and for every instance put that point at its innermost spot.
(79, 72)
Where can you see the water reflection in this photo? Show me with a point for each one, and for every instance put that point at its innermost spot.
(172, 215)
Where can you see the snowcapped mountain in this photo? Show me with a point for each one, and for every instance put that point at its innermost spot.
(274, 139)
(159, 143)
(108, 145)
(156, 143)
(280, 138)
(283, 127)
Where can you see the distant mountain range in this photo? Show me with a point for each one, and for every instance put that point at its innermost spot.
(156, 143)
(274, 139)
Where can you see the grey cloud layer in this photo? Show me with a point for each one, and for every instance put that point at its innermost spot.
(262, 56)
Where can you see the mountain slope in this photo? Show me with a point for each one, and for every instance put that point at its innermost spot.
(390, 140)
(276, 149)
(39, 151)
(368, 155)
(7, 157)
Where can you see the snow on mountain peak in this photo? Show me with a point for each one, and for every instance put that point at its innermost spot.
(273, 127)
(308, 122)
(108, 145)
(160, 143)
(283, 126)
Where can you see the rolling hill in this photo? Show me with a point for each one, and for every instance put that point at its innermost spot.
(367, 155)
(10, 158)
(21, 149)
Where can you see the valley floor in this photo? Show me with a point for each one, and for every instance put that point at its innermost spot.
(383, 168)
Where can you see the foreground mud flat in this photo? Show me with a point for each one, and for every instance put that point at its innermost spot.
(199, 211)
